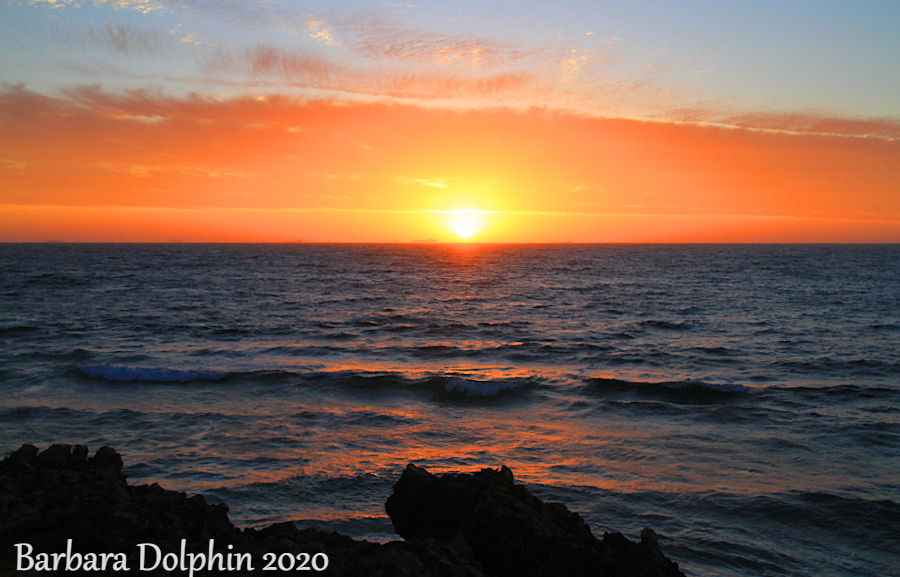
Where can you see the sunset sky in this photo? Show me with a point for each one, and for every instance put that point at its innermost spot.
(354, 121)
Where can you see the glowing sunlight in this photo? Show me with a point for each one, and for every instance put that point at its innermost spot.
(465, 223)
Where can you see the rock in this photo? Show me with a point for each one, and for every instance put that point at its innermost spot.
(59, 494)
(477, 525)
(512, 532)
(347, 557)
(49, 497)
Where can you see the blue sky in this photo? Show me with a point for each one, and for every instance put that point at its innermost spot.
(840, 58)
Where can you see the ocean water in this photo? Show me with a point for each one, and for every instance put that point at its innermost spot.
(742, 400)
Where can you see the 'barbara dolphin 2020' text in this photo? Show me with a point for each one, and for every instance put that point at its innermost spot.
(150, 557)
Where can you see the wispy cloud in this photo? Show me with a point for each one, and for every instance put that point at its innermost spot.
(303, 69)
(821, 123)
(367, 54)
(122, 38)
(381, 38)
(405, 181)
(182, 169)
(377, 53)
(797, 122)
(294, 66)
(144, 6)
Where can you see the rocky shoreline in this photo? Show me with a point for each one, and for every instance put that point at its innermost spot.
(63, 506)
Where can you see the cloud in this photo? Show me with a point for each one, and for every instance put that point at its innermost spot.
(183, 169)
(812, 122)
(375, 35)
(13, 166)
(295, 66)
(803, 122)
(318, 31)
(381, 38)
(367, 54)
(144, 6)
(302, 69)
(511, 86)
(420, 182)
(121, 38)
(377, 53)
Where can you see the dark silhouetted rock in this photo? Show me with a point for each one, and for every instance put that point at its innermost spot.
(477, 525)
(49, 497)
(512, 532)
(59, 494)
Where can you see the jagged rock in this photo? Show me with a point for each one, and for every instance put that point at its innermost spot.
(477, 525)
(59, 494)
(512, 532)
(350, 558)
(49, 497)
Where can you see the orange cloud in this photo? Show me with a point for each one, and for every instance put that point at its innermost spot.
(304, 70)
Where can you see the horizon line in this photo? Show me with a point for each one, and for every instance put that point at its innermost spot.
(443, 243)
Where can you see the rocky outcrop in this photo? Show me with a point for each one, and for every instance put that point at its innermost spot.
(61, 493)
(453, 526)
(512, 532)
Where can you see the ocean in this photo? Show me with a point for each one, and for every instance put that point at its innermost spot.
(741, 400)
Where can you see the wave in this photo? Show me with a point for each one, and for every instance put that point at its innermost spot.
(685, 391)
(855, 367)
(18, 329)
(451, 385)
(129, 374)
(666, 325)
(470, 388)
(76, 354)
(876, 399)
(368, 382)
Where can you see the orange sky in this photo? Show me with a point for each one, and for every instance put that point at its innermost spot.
(157, 120)
(93, 166)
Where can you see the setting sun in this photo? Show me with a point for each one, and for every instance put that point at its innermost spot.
(465, 223)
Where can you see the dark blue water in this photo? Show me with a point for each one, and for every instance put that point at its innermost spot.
(743, 400)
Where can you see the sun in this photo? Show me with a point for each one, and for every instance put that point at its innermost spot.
(465, 223)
